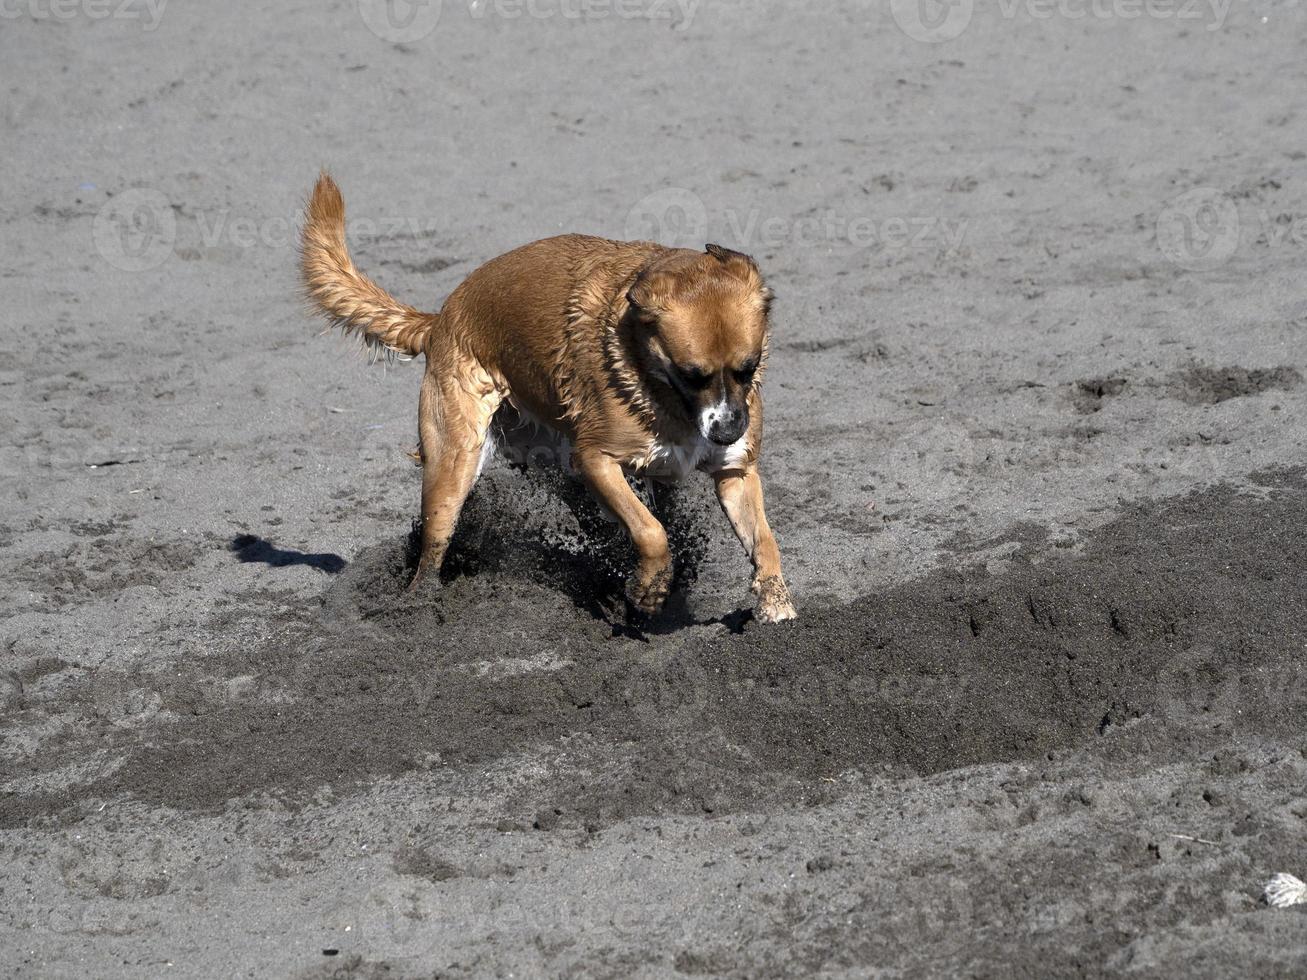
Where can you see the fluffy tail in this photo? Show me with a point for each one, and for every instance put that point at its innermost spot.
(350, 299)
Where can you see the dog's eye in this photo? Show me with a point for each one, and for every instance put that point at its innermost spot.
(695, 377)
(744, 373)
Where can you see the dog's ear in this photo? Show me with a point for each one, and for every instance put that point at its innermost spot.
(738, 262)
(637, 298)
(648, 294)
(743, 267)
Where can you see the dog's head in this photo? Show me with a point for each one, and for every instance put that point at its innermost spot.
(702, 328)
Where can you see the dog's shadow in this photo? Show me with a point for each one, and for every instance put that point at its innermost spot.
(547, 528)
(250, 548)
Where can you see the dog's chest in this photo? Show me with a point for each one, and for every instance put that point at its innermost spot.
(523, 439)
(677, 460)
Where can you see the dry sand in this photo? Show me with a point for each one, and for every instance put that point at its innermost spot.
(1034, 456)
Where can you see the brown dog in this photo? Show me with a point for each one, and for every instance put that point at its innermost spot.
(641, 359)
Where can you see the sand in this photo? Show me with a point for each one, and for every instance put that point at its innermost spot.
(1033, 455)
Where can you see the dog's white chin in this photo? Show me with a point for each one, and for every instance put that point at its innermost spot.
(709, 416)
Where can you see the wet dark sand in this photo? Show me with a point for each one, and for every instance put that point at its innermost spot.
(1039, 489)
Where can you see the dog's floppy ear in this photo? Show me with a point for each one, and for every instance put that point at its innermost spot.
(744, 267)
(728, 256)
(648, 293)
(737, 263)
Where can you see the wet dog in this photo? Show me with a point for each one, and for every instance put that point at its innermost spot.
(640, 359)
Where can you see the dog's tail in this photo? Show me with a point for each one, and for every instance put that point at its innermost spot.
(350, 299)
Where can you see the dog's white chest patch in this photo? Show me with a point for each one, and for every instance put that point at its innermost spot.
(531, 442)
(677, 460)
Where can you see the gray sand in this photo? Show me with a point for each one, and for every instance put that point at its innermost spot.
(1033, 456)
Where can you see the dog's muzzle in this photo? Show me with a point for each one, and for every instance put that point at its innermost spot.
(728, 426)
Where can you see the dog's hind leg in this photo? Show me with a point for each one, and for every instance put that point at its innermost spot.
(454, 413)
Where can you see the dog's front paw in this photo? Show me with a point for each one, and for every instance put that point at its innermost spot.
(774, 605)
(425, 577)
(648, 588)
(421, 582)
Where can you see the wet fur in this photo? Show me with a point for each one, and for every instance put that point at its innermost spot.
(582, 334)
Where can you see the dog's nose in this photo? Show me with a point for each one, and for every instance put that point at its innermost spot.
(729, 427)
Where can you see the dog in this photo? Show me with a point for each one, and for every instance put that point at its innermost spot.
(641, 359)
